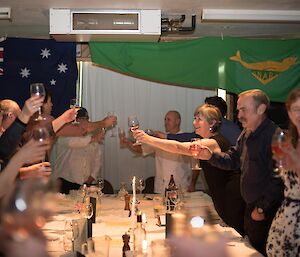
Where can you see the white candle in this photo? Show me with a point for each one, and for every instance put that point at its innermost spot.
(133, 195)
(133, 187)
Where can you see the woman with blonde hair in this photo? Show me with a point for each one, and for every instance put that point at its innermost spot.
(223, 185)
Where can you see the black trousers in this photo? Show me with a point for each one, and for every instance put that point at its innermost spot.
(66, 186)
(257, 231)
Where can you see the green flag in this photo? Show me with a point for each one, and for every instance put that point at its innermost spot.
(233, 64)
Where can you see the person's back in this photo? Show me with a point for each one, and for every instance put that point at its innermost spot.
(77, 158)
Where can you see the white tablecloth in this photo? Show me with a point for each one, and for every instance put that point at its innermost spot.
(114, 222)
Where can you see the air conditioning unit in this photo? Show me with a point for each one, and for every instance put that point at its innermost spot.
(105, 25)
(5, 13)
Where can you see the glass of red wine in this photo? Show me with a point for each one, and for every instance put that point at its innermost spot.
(279, 141)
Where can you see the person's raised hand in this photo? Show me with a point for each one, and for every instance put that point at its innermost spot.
(30, 107)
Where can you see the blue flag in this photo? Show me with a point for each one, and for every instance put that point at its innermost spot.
(26, 61)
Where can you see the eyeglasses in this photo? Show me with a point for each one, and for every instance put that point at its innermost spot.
(295, 110)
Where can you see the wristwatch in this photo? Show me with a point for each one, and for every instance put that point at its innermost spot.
(260, 210)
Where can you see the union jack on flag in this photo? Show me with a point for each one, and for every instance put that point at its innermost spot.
(26, 61)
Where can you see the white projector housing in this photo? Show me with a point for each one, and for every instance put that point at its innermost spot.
(105, 25)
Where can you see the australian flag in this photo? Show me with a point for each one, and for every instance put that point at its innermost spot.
(26, 61)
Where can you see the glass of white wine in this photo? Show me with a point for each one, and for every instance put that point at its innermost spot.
(134, 124)
(38, 89)
(74, 104)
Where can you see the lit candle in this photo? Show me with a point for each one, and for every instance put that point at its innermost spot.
(133, 196)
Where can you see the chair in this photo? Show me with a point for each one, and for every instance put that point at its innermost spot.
(149, 186)
(108, 188)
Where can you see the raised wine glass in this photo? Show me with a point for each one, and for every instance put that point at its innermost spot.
(279, 141)
(194, 149)
(39, 90)
(74, 104)
(134, 124)
(113, 132)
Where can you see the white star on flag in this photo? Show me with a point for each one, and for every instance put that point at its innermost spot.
(25, 72)
(52, 82)
(62, 68)
(45, 53)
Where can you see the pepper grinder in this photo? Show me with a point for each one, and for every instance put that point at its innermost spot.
(126, 247)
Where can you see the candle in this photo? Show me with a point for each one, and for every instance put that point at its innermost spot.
(133, 196)
(133, 187)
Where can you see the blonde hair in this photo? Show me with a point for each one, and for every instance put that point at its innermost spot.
(210, 114)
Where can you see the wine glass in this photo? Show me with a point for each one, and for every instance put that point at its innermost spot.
(100, 186)
(141, 185)
(134, 124)
(39, 90)
(40, 134)
(71, 232)
(87, 210)
(194, 149)
(74, 104)
(113, 133)
(279, 141)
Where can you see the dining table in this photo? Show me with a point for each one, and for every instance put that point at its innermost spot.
(113, 221)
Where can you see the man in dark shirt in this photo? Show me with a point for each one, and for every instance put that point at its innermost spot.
(260, 188)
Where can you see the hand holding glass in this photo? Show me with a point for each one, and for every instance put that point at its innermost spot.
(134, 124)
(194, 149)
(38, 89)
(74, 104)
(111, 114)
(279, 141)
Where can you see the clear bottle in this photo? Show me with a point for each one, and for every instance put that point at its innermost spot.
(139, 236)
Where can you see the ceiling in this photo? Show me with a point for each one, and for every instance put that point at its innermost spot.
(30, 18)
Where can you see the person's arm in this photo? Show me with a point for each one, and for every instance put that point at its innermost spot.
(67, 116)
(38, 170)
(163, 144)
(182, 137)
(31, 152)
(125, 142)
(107, 122)
(11, 138)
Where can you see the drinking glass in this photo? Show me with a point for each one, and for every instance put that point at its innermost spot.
(74, 104)
(122, 192)
(141, 185)
(71, 232)
(40, 134)
(194, 149)
(87, 210)
(39, 90)
(113, 132)
(279, 141)
(134, 124)
(100, 186)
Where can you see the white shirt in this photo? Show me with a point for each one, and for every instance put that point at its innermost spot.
(75, 159)
(167, 164)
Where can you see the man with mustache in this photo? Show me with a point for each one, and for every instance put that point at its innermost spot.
(261, 189)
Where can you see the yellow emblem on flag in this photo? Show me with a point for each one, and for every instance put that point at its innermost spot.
(266, 71)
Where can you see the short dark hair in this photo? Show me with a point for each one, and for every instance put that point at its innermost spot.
(218, 102)
(82, 113)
